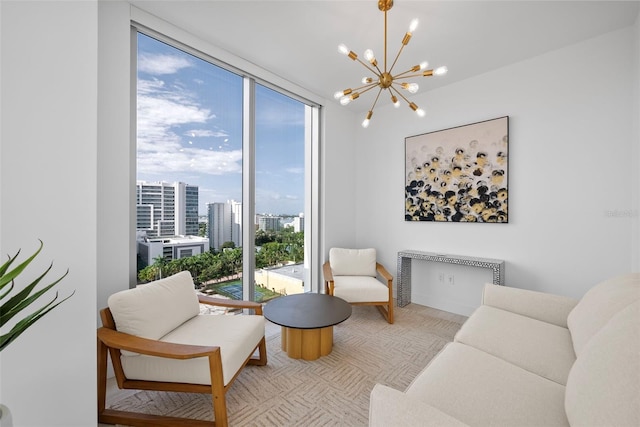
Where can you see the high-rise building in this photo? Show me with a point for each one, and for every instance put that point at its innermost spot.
(298, 223)
(269, 223)
(167, 209)
(225, 223)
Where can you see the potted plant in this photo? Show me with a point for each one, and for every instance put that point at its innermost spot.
(13, 303)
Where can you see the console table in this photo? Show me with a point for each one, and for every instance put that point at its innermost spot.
(404, 269)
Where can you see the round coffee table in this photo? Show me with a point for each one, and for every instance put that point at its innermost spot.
(307, 322)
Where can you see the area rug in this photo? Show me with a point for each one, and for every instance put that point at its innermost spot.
(330, 391)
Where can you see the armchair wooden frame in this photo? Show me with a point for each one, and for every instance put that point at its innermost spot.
(385, 307)
(113, 341)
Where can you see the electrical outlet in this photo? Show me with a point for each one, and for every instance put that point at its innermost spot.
(451, 279)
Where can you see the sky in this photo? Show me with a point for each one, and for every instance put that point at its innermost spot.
(189, 129)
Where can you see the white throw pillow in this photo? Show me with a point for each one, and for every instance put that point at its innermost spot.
(155, 309)
(353, 262)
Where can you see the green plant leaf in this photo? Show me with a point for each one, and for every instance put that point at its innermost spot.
(25, 323)
(8, 277)
(22, 299)
(7, 293)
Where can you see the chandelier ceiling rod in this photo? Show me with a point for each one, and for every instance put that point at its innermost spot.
(384, 79)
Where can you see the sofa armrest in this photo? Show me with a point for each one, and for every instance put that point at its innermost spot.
(542, 306)
(389, 408)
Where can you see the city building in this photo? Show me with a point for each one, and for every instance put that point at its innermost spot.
(298, 223)
(170, 248)
(224, 223)
(166, 209)
(269, 223)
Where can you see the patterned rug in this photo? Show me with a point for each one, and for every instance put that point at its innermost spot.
(330, 391)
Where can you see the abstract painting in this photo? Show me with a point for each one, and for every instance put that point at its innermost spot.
(459, 174)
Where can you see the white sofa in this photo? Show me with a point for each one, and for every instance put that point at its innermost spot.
(526, 358)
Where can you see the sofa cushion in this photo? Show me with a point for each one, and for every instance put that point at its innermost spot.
(599, 305)
(539, 347)
(480, 389)
(603, 388)
(353, 262)
(360, 289)
(390, 407)
(542, 306)
(156, 308)
(236, 335)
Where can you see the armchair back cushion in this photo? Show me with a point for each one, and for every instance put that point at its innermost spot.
(156, 308)
(353, 262)
(599, 305)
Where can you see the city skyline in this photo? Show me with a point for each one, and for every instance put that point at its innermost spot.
(189, 129)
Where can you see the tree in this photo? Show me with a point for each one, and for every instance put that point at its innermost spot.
(159, 263)
(229, 245)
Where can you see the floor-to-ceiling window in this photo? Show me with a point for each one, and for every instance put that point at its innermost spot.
(224, 183)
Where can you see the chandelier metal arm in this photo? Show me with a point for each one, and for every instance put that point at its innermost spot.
(371, 86)
(364, 64)
(393, 89)
(396, 60)
(376, 100)
(428, 73)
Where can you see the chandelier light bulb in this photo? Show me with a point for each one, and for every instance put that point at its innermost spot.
(345, 100)
(369, 55)
(343, 49)
(423, 65)
(367, 120)
(395, 101)
(413, 25)
(440, 71)
(339, 94)
(411, 87)
(367, 80)
(420, 112)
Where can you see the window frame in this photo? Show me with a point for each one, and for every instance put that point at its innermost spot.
(143, 23)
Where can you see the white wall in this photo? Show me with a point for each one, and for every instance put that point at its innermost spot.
(116, 249)
(48, 182)
(571, 162)
(338, 174)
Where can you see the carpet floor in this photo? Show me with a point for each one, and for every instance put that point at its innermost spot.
(330, 391)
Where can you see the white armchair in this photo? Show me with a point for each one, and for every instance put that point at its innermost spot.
(158, 340)
(352, 274)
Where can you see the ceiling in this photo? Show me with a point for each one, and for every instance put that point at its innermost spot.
(297, 39)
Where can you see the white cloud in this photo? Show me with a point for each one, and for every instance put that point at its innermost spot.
(160, 149)
(298, 170)
(196, 133)
(162, 64)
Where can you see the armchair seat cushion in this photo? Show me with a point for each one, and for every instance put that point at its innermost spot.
(237, 337)
(354, 289)
(538, 347)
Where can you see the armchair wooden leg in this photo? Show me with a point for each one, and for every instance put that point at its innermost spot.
(102, 377)
(217, 392)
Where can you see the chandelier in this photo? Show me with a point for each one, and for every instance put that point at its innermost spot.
(384, 79)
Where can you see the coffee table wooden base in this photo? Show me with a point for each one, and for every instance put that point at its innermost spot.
(307, 344)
